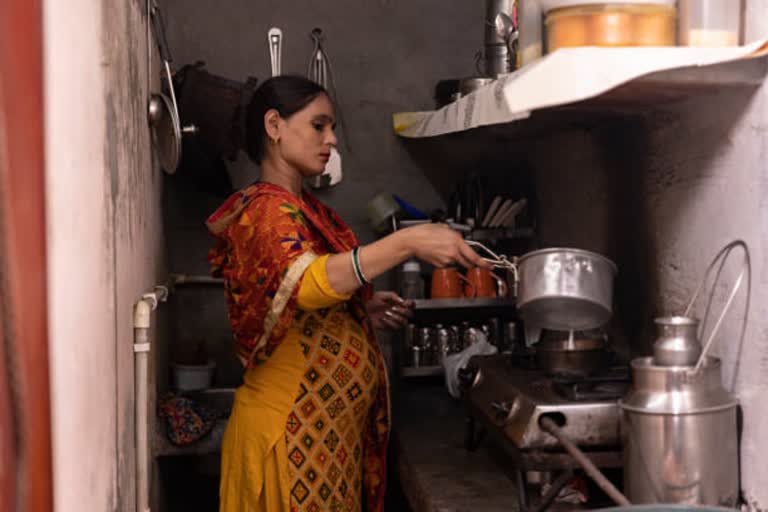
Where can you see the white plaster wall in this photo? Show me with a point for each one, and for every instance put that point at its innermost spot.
(104, 240)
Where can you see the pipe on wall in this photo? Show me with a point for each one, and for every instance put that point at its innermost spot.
(142, 322)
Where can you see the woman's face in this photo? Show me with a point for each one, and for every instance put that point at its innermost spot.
(306, 138)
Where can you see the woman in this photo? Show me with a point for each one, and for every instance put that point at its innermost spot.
(310, 424)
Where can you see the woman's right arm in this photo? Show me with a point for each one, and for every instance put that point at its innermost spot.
(436, 244)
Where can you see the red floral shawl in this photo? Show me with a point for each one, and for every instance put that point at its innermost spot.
(261, 231)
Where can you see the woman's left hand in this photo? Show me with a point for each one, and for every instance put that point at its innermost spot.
(388, 311)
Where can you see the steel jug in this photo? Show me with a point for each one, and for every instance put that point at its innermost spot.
(678, 423)
(677, 343)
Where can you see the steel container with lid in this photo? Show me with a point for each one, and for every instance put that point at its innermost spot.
(570, 23)
(679, 435)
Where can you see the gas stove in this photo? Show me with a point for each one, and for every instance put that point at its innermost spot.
(508, 394)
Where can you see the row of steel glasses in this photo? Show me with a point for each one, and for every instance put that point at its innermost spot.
(427, 345)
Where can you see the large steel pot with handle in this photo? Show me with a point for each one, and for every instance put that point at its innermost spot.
(565, 289)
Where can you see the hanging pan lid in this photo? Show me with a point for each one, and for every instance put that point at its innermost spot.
(166, 131)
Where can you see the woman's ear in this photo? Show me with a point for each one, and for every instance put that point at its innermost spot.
(272, 125)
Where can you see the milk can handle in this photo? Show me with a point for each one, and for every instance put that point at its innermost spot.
(721, 258)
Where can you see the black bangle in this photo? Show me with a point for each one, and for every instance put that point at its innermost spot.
(356, 266)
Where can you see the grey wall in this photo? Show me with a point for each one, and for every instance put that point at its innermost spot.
(386, 55)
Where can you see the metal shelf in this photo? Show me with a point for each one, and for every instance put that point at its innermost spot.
(446, 310)
(421, 371)
(461, 304)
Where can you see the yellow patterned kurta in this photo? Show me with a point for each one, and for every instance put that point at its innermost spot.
(325, 428)
(314, 461)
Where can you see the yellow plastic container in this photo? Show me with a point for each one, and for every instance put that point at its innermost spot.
(610, 24)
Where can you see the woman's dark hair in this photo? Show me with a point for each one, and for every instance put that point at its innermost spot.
(287, 94)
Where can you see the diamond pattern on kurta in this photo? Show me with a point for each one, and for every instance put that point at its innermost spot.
(351, 358)
(332, 441)
(342, 376)
(321, 458)
(293, 424)
(336, 408)
(325, 492)
(354, 392)
(323, 362)
(332, 413)
(326, 392)
(300, 491)
(311, 376)
(334, 473)
(331, 345)
(302, 392)
(356, 343)
(341, 455)
(297, 457)
(308, 407)
(320, 423)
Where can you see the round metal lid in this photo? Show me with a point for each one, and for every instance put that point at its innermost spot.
(166, 134)
(548, 5)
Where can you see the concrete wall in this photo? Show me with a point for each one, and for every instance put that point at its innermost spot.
(386, 55)
(104, 241)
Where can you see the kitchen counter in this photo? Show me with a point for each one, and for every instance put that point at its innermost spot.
(436, 472)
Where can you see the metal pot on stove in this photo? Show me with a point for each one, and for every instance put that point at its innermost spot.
(565, 289)
(579, 354)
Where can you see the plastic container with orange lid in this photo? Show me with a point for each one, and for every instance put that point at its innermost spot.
(571, 23)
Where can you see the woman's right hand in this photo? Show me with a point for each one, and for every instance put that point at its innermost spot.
(439, 245)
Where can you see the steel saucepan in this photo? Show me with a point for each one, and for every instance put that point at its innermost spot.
(565, 289)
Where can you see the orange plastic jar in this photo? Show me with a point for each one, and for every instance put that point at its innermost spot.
(609, 24)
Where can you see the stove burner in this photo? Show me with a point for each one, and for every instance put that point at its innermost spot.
(509, 394)
(609, 385)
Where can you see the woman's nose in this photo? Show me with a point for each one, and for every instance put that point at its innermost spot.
(330, 138)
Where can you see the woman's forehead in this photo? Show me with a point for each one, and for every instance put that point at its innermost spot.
(320, 106)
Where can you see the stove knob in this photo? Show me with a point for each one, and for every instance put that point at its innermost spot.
(467, 377)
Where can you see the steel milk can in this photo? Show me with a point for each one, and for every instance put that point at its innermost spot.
(678, 422)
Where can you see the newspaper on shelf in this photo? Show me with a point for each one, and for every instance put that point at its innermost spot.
(566, 76)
